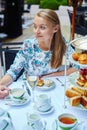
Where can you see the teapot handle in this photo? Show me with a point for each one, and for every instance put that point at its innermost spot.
(8, 120)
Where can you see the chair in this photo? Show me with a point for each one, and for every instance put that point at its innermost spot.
(7, 54)
(79, 29)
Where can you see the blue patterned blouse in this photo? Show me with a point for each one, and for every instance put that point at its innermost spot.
(34, 60)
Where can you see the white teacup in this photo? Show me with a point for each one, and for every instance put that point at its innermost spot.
(5, 119)
(43, 102)
(34, 121)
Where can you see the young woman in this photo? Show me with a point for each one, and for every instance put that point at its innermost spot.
(42, 55)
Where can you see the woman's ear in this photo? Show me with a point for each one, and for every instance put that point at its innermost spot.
(56, 28)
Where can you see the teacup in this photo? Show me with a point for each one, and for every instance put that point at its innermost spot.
(67, 121)
(43, 102)
(17, 94)
(5, 119)
(34, 121)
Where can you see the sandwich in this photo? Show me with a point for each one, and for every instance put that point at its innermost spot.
(85, 85)
(82, 92)
(84, 101)
(74, 101)
(80, 82)
(72, 93)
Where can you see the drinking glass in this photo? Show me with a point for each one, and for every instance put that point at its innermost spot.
(32, 80)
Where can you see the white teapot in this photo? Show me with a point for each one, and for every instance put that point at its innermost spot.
(5, 120)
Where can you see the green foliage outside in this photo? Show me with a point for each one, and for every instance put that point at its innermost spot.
(50, 4)
(32, 1)
(62, 2)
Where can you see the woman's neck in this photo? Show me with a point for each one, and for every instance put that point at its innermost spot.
(44, 46)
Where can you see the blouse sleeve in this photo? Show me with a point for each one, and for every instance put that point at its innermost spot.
(19, 61)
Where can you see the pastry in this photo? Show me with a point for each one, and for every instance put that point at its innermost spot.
(48, 82)
(75, 56)
(82, 79)
(82, 59)
(40, 82)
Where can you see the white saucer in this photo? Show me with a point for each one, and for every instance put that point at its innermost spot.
(10, 102)
(26, 127)
(77, 127)
(46, 112)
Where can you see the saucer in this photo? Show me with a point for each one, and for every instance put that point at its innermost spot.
(26, 127)
(77, 127)
(25, 100)
(46, 112)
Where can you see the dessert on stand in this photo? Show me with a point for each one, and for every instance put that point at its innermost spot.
(76, 93)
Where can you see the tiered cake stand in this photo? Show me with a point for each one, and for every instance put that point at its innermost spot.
(80, 46)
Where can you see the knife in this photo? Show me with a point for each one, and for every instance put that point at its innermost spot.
(27, 88)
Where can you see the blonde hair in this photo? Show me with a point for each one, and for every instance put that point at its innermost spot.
(58, 46)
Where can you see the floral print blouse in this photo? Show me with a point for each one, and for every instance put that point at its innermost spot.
(34, 60)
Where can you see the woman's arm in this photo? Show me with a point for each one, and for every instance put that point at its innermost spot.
(60, 73)
(4, 82)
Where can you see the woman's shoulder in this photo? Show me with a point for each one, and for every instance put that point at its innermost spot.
(30, 41)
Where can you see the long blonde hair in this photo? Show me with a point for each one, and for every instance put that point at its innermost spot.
(58, 46)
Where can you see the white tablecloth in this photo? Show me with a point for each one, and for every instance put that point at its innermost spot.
(18, 113)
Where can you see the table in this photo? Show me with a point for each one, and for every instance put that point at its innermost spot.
(18, 114)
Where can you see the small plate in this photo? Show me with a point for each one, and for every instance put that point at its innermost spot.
(44, 87)
(25, 100)
(46, 112)
(77, 127)
(26, 127)
(72, 79)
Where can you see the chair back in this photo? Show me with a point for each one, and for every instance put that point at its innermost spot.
(7, 54)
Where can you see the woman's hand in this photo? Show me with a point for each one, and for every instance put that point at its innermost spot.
(4, 91)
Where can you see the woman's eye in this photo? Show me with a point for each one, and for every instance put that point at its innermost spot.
(35, 27)
(43, 27)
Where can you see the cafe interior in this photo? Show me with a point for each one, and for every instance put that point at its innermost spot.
(16, 24)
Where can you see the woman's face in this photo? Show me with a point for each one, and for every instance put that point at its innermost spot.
(43, 29)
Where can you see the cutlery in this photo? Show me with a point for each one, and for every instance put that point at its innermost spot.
(62, 84)
(27, 88)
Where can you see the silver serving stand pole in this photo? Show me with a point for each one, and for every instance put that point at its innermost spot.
(65, 71)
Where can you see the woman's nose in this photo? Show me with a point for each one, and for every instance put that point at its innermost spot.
(37, 30)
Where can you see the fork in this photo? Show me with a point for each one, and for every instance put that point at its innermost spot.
(62, 84)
